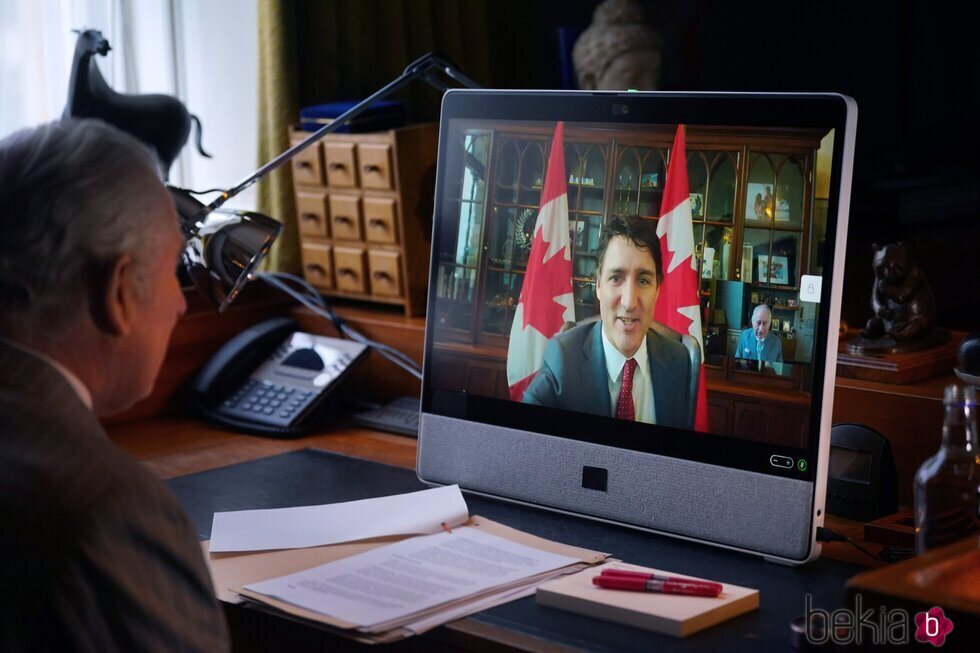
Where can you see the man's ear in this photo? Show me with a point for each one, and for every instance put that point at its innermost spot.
(114, 298)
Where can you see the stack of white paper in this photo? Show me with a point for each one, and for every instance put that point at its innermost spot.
(419, 582)
(426, 511)
(354, 568)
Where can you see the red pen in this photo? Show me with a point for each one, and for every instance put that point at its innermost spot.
(664, 586)
(624, 573)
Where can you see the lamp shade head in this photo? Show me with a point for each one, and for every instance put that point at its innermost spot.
(223, 246)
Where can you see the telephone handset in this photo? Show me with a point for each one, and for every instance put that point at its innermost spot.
(270, 379)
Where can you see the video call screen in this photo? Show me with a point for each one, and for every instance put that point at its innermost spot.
(530, 308)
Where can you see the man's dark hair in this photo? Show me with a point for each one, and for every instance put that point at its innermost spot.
(640, 232)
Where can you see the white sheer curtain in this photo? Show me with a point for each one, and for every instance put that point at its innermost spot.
(36, 48)
(204, 53)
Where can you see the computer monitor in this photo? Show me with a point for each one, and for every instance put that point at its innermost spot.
(528, 328)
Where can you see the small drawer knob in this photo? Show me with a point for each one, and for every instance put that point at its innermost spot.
(315, 268)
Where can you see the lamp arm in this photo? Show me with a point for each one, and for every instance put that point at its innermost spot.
(422, 68)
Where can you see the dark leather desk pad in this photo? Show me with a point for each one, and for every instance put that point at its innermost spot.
(313, 477)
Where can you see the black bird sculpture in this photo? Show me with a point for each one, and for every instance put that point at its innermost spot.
(160, 121)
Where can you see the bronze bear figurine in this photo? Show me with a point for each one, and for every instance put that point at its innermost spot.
(902, 300)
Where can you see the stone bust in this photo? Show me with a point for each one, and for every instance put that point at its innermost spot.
(619, 50)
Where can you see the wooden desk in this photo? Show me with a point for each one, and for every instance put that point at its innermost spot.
(175, 446)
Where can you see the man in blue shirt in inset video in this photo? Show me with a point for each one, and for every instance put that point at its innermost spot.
(757, 343)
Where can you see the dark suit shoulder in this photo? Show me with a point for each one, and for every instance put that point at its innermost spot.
(101, 548)
(670, 349)
(63, 460)
(566, 346)
(551, 384)
(577, 336)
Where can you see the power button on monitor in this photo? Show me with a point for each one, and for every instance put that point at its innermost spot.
(782, 462)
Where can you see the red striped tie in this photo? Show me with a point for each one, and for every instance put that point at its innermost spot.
(624, 406)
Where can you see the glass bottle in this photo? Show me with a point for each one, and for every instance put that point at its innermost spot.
(947, 485)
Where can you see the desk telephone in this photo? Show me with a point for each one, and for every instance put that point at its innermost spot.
(271, 379)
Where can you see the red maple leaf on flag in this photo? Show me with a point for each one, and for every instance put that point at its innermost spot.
(546, 298)
(542, 284)
(678, 304)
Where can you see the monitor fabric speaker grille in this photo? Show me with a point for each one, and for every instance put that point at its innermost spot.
(737, 508)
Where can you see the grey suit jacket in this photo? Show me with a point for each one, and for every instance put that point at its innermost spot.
(573, 376)
(772, 347)
(96, 553)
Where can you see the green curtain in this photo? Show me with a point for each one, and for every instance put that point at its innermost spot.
(278, 108)
(313, 52)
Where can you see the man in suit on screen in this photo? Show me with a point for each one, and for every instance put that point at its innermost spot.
(622, 365)
(758, 343)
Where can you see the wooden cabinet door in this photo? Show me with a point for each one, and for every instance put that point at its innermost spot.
(318, 264)
(307, 166)
(779, 425)
(379, 220)
(349, 269)
(341, 165)
(345, 217)
(375, 162)
(719, 414)
(385, 268)
(312, 212)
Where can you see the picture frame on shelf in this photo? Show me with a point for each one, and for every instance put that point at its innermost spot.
(759, 202)
(775, 325)
(754, 298)
(773, 270)
(787, 326)
(650, 180)
(697, 205)
(779, 270)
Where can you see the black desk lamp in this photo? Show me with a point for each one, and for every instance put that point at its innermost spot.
(224, 246)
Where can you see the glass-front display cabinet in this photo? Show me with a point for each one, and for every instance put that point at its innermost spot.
(751, 193)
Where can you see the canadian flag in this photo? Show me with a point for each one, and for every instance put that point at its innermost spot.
(678, 305)
(546, 301)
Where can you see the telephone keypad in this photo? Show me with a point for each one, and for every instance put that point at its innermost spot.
(280, 403)
(264, 397)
